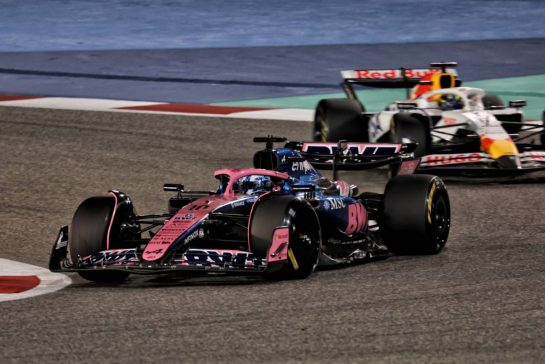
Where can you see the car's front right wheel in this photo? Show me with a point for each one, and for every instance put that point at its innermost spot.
(416, 215)
(89, 235)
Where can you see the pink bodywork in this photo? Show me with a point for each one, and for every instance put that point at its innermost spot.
(408, 167)
(184, 219)
(111, 221)
(196, 211)
(344, 188)
(280, 245)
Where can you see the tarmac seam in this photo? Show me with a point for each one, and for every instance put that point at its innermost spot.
(14, 71)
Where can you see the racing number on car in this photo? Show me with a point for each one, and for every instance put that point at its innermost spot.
(357, 217)
(156, 251)
(201, 206)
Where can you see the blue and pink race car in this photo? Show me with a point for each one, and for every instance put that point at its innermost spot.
(280, 219)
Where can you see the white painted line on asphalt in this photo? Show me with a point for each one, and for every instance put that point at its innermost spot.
(75, 103)
(301, 115)
(68, 103)
(277, 114)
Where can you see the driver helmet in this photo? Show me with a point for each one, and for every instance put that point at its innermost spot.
(450, 102)
(251, 184)
(327, 186)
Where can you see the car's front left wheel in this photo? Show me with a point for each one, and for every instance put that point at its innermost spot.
(89, 234)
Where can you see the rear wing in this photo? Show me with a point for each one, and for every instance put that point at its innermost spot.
(358, 156)
(394, 78)
(343, 155)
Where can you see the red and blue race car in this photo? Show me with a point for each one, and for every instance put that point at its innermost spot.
(281, 218)
(460, 131)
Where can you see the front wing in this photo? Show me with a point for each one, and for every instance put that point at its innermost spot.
(478, 163)
(130, 260)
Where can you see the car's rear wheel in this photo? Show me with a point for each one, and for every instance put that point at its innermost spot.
(304, 247)
(340, 119)
(543, 131)
(416, 215)
(89, 235)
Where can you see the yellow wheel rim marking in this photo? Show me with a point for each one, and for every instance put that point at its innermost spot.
(323, 130)
(430, 199)
(292, 259)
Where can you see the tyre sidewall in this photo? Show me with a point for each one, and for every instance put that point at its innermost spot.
(408, 220)
(276, 211)
(407, 126)
(89, 228)
(340, 119)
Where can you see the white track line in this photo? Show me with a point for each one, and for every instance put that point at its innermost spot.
(69, 103)
(277, 114)
(66, 103)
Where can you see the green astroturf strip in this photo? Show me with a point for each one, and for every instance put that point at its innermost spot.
(530, 88)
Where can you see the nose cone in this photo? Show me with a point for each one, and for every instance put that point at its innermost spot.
(504, 151)
(498, 148)
(509, 162)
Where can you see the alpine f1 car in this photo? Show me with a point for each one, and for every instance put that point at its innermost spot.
(281, 219)
(459, 130)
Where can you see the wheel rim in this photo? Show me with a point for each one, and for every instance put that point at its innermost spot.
(305, 243)
(440, 220)
(320, 127)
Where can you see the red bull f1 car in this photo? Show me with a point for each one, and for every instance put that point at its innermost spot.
(459, 130)
(279, 219)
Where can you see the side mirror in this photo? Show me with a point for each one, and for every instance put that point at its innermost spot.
(174, 187)
(406, 105)
(517, 103)
(408, 147)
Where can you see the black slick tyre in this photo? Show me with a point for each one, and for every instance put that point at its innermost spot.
(304, 235)
(492, 101)
(406, 126)
(340, 119)
(416, 215)
(88, 236)
(514, 120)
(543, 131)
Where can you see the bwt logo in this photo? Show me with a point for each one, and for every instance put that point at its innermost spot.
(221, 258)
(357, 218)
(352, 148)
(113, 256)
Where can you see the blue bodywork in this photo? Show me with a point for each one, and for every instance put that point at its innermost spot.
(333, 209)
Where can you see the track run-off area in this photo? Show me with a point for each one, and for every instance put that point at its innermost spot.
(480, 300)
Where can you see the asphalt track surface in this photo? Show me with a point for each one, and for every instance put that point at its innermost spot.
(480, 300)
